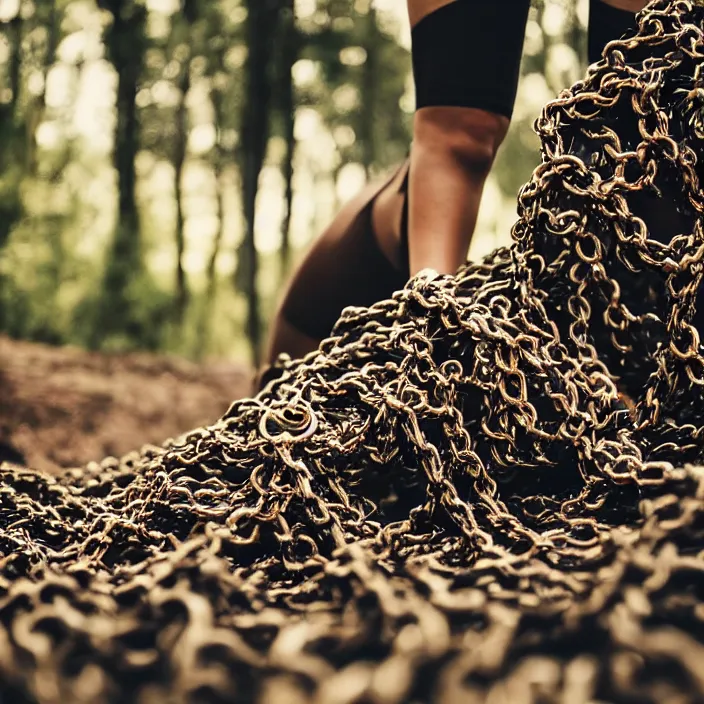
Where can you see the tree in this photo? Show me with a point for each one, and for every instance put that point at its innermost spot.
(10, 154)
(261, 26)
(182, 51)
(126, 45)
(370, 84)
(289, 42)
(48, 16)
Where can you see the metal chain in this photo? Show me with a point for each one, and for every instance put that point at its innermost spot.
(482, 490)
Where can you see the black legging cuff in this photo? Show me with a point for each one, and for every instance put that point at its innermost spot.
(468, 54)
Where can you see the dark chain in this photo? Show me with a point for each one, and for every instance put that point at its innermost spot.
(483, 490)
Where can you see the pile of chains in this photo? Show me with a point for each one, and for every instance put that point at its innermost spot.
(486, 489)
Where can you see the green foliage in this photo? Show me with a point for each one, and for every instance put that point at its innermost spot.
(30, 297)
(139, 318)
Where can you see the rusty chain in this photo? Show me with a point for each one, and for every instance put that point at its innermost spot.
(486, 489)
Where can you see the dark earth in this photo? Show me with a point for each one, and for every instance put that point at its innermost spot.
(64, 407)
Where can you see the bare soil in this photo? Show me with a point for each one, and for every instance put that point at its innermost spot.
(63, 407)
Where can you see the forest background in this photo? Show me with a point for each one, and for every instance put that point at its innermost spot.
(165, 163)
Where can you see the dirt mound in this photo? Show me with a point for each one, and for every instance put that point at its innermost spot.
(63, 407)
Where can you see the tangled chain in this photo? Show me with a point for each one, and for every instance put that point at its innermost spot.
(483, 490)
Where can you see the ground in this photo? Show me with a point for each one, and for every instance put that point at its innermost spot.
(63, 407)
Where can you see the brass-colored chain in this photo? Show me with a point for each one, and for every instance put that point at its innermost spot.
(485, 489)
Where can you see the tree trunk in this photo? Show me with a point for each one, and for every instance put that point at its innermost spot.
(289, 55)
(128, 63)
(369, 91)
(204, 322)
(261, 27)
(10, 152)
(35, 115)
(15, 67)
(188, 16)
(126, 45)
(181, 300)
(205, 319)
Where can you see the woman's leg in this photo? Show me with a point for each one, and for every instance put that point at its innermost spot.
(346, 266)
(466, 64)
(445, 196)
(460, 124)
(453, 153)
(362, 259)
